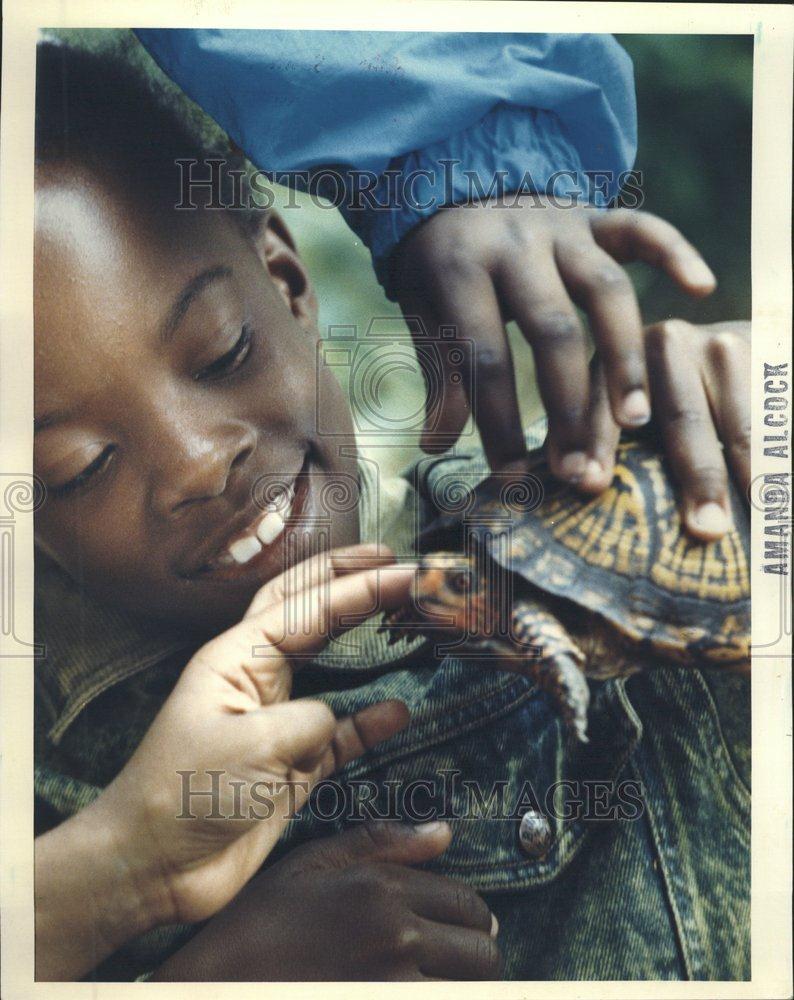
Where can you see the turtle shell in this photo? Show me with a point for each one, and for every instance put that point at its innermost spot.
(623, 555)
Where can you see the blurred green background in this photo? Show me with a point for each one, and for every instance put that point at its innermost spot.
(694, 97)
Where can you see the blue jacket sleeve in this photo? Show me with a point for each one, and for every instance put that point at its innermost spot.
(464, 113)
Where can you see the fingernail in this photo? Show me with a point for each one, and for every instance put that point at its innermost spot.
(712, 519)
(573, 466)
(494, 926)
(699, 273)
(636, 407)
(428, 829)
(594, 472)
(406, 564)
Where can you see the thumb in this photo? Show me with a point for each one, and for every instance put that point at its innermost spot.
(377, 840)
(305, 733)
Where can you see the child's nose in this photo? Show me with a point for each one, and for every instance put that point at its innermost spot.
(201, 472)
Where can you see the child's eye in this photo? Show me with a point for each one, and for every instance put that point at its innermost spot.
(90, 472)
(228, 362)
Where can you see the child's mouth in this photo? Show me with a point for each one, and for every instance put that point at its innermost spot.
(258, 549)
(248, 543)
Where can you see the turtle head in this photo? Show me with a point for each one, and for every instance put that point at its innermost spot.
(449, 591)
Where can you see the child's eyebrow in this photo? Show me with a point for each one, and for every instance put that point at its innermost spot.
(192, 289)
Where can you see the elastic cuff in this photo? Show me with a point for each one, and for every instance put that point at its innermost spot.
(511, 150)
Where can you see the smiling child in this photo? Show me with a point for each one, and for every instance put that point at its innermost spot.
(176, 389)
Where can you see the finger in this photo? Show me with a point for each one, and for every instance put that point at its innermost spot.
(448, 901)
(297, 742)
(294, 731)
(349, 738)
(251, 657)
(603, 289)
(687, 429)
(629, 235)
(355, 734)
(458, 953)
(604, 435)
(320, 569)
(444, 364)
(467, 301)
(385, 840)
(305, 734)
(302, 625)
(536, 298)
(728, 389)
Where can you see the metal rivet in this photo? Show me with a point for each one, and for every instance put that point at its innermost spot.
(534, 834)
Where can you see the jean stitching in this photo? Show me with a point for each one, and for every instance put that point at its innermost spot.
(456, 727)
(736, 783)
(668, 876)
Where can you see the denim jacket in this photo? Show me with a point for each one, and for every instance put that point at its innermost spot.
(636, 861)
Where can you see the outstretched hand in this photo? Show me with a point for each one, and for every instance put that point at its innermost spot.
(477, 266)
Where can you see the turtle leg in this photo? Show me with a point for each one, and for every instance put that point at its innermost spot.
(556, 663)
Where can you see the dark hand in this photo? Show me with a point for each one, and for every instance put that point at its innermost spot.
(347, 908)
(700, 392)
(478, 266)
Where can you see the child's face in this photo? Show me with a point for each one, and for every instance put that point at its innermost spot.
(175, 367)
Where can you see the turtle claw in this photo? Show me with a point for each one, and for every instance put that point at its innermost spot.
(562, 679)
(395, 626)
(579, 729)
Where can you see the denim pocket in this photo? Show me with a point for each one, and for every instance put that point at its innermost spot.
(481, 752)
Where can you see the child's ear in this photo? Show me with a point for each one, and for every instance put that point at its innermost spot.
(273, 242)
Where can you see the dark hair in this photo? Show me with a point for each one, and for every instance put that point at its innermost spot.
(95, 109)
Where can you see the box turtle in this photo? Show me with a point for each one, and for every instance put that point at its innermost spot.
(528, 573)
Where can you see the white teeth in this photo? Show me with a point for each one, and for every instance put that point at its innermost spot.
(245, 549)
(267, 531)
(270, 527)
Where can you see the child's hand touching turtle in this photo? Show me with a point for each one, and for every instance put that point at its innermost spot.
(478, 266)
(700, 393)
(533, 261)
